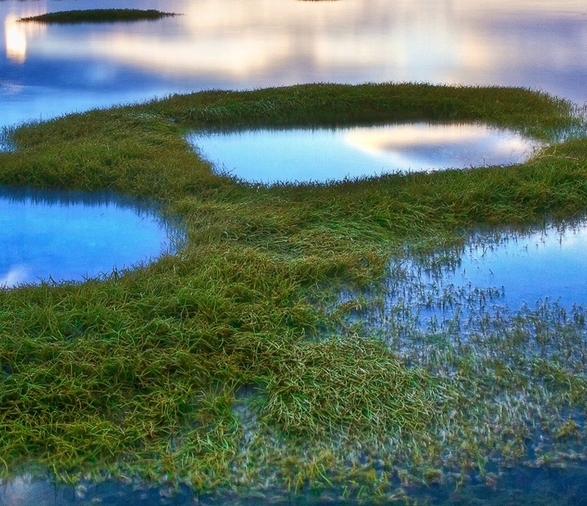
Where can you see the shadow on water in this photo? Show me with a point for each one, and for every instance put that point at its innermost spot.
(517, 486)
(71, 235)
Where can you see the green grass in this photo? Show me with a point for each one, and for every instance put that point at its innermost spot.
(98, 16)
(230, 365)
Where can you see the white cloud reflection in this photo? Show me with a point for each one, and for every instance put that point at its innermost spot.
(436, 146)
(286, 41)
(15, 40)
(16, 275)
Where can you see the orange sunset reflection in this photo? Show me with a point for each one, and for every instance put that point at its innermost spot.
(16, 34)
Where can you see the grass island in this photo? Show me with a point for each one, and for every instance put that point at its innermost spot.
(233, 365)
(98, 16)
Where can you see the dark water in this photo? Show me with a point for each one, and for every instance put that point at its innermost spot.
(521, 486)
(321, 154)
(72, 235)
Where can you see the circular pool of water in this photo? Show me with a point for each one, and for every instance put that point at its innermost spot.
(50, 235)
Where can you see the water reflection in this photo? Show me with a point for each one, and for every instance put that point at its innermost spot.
(550, 263)
(321, 154)
(231, 44)
(69, 235)
(529, 486)
(15, 40)
(493, 278)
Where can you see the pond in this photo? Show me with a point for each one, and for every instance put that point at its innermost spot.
(72, 235)
(322, 154)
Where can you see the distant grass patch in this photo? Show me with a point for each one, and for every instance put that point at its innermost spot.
(99, 16)
(230, 365)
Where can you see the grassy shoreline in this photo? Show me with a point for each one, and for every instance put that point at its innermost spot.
(228, 366)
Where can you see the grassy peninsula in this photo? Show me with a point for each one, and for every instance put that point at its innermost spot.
(99, 16)
(234, 365)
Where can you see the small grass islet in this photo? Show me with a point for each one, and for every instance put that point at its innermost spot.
(98, 16)
(235, 365)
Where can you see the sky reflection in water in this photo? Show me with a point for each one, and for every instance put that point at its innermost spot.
(49, 70)
(499, 273)
(321, 154)
(67, 235)
(550, 263)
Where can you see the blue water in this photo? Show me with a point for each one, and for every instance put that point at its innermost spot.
(46, 71)
(322, 154)
(49, 235)
(550, 263)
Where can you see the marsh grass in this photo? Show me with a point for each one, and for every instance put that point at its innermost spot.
(141, 372)
(98, 16)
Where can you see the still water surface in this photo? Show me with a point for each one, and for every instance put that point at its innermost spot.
(322, 154)
(72, 235)
(529, 268)
(48, 70)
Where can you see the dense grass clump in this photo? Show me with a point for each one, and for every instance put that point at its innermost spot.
(232, 364)
(99, 16)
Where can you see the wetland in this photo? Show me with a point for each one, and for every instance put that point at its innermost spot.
(315, 341)
(232, 365)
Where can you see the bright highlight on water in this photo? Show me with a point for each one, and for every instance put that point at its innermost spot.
(322, 154)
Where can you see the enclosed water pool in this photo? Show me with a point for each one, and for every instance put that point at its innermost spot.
(291, 155)
(51, 235)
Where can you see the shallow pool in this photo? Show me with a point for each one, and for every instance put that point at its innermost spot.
(497, 279)
(72, 235)
(327, 154)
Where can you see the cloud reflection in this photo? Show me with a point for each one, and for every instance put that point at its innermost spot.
(260, 43)
(16, 275)
(15, 40)
(434, 146)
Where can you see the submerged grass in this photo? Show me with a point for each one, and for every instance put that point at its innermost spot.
(98, 16)
(229, 365)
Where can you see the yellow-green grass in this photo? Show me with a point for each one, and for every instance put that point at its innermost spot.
(98, 16)
(229, 365)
